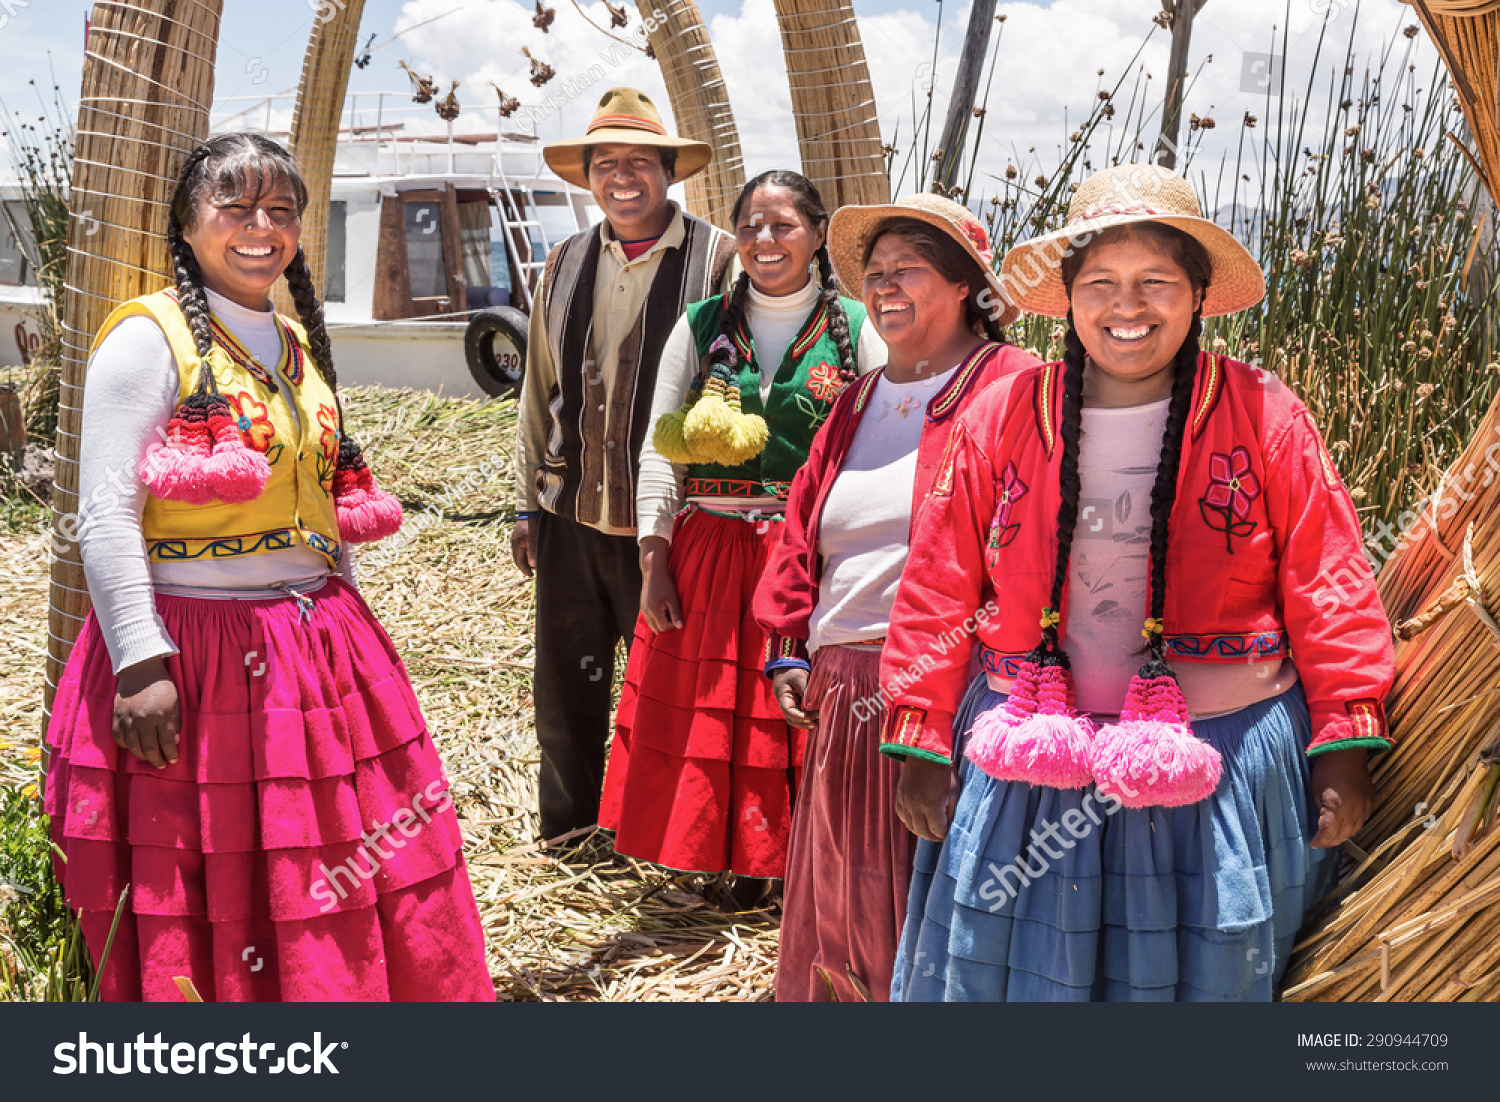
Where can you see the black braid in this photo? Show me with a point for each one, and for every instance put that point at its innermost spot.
(191, 300)
(1164, 490)
(838, 321)
(299, 282)
(729, 321)
(1069, 484)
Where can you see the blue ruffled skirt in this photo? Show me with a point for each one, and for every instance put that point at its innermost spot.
(1040, 894)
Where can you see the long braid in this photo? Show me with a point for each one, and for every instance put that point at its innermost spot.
(191, 299)
(729, 322)
(838, 321)
(310, 312)
(1164, 492)
(1069, 483)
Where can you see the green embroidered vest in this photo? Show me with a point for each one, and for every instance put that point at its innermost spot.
(802, 394)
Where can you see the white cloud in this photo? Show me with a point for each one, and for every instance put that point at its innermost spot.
(1046, 76)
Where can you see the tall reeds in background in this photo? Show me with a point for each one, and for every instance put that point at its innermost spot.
(41, 154)
(1358, 200)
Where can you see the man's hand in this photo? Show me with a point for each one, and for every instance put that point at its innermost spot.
(926, 796)
(789, 686)
(523, 545)
(659, 601)
(147, 716)
(1342, 795)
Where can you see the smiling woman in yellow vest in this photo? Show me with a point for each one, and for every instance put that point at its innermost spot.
(702, 772)
(236, 750)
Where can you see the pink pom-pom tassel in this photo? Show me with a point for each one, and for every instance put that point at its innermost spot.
(238, 473)
(367, 515)
(1151, 758)
(173, 474)
(1036, 736)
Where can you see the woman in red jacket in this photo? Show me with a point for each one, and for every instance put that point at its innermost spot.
(925, 268)
(1121, 833)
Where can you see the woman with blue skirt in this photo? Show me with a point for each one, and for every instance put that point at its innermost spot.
(1140, 801)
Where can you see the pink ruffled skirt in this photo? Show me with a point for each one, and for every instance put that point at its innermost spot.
(302, 847)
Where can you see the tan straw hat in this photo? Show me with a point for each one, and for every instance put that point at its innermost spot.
(850, 228)
(1119, 196)
(629, 117)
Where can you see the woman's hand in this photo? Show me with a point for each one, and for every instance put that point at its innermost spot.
(926, 796)
(147, 715)
(659, 601)
(789, 686)
(1342, 794)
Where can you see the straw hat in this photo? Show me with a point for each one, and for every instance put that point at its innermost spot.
(626, 116)
(850, 228)
(1119, 196)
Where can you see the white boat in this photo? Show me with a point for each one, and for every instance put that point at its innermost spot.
(435, 245)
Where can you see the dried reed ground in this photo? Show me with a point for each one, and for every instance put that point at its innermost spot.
(589, 926)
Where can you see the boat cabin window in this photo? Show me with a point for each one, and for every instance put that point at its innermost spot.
(14, 271)
(336, 263)
(425, 263)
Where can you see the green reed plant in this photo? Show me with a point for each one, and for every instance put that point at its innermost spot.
(42, 953)
(41, 153)
(1365, 214)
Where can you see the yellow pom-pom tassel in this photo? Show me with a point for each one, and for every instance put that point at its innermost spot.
(667, 436)
(716, 430)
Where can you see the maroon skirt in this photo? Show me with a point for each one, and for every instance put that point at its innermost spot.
(703, 768)
(302, 847)
(850, 862)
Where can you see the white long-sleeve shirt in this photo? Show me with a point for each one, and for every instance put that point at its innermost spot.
(132, 390)
(774, 324)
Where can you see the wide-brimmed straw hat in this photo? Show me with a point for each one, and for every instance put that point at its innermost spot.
(850, 228)
(626, 116)
(1120, 196)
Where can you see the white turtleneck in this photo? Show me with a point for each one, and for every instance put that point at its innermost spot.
(774, 322)
(131, 393)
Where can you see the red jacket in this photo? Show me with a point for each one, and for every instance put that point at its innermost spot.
(1265, 557)
(788, 589)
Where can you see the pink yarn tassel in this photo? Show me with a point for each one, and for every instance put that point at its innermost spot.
(173, 474)
(1036, 736)
(367, 515)
(1151, 758)
(238, 473)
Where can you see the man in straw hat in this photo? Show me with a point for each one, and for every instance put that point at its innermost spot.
(1139, 492)
(608, 298)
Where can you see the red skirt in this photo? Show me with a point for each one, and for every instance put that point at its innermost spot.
(703, 768)
(850, 863)
(302, 847)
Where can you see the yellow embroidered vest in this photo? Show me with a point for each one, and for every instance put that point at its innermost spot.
(297, 504)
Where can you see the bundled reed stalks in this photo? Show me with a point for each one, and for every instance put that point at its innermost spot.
(832, 101)
(1417, 917)
(700, 105)
(148, 80)
(315, 128)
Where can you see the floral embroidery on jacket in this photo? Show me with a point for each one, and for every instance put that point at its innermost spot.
(824, 382)
(1002, 531)
(253, 420)
(328, 442)
(1231, 490)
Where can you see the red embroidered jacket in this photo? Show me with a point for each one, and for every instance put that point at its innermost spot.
(788, 589)
(1265, 557)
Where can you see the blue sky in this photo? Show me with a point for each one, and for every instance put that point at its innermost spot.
(1049, 58)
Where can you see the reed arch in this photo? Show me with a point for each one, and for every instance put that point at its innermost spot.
(833, 101)
(700, 104)
(148, 83)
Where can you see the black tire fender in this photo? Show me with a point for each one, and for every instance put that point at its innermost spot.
(498, 371)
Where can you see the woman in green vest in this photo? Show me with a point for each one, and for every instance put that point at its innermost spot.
(704, 768)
